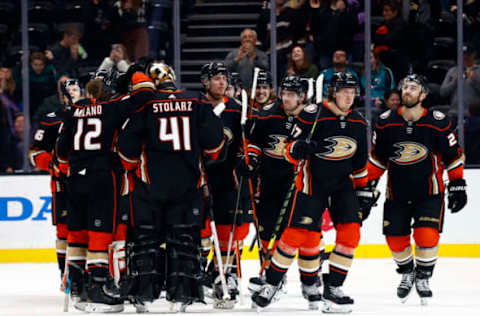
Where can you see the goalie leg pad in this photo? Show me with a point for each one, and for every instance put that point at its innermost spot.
(146, 265)
(183, 264)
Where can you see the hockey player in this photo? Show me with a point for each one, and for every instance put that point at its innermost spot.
(336, 174)
(85, 155)
(221, 177)
(40, 156)
(414, 146)
(164, 141)
(264, 95)
(235, 86)
(274, 128)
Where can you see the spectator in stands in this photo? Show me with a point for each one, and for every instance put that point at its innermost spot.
(389, 39)
(300, 65)
(118, 59)
(291, 29)
(472, 134)
(244, 59)
(42, 80)
(340, 64)
(131, 18)
(382, 79)
(471, 85)
(392, 100)
(8, 108)
(11, 157)
(52, 103)
(333, 28)
(66, 54)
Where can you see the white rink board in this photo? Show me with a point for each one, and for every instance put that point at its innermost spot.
(25, 215)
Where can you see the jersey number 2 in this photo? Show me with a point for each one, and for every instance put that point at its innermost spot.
(174, 134)
(86, 140)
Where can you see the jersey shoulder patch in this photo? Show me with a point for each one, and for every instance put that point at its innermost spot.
(311, 108)
(268, 107)
(51, 114)
(438, 115)
(385, 114)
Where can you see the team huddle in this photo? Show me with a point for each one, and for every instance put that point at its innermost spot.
(149, 180)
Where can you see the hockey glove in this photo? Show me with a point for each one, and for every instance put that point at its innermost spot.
(457, 195)
(367, 198)
(300, 149)
(251, 169)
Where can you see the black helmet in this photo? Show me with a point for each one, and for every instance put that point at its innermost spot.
(418, 79)
(72, 82)
(344, 80)
(264, 77)
(204, 72)
(216, 68)
(235, 80)
(292, 83)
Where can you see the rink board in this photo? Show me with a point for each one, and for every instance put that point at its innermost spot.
(27, 235)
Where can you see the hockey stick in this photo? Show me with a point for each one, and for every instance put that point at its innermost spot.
(66, 282)
(286, 201)
(239, 271)
(232, 230)
(218, 254)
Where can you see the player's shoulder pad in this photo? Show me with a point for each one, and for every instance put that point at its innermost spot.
(268, 106)
(385, 115)
(311, 108)
(439, 119)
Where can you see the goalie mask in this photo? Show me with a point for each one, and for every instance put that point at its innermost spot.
(160, 73)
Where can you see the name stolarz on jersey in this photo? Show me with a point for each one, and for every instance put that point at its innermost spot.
(170, 106)
(92, 110)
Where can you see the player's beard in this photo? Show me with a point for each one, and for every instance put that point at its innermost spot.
(412, 102)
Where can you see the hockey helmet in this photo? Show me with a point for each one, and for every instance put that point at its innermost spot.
(216, 68)
(418, 79)
(72, 82)
(292, 83)
(235, 80)
(264, 77)
(160, 73)
(342, 80)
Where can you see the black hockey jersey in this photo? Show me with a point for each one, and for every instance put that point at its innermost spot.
(341, 150)
(44, 139)
(221, 176)
(268, 139)
(415, 154)
(164, 140)
(87, 140)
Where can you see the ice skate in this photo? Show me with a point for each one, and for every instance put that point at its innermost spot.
(312, 294)
(255, 284)
(232, 286)
(265, 296)
(336, 301)
(99, 301)
(422, 286)
(405, 287)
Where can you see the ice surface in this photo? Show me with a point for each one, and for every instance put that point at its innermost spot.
(33, 289)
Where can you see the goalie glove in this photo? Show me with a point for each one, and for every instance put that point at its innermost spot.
(457, 195)
(367, 198)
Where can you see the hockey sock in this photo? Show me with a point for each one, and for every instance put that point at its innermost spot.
(348, 237)
(281, 261)
(426, 249)
(61, 246)
(77, 249)
(401, 252)
(206, 246)
(309, 258)
(97, 255)
(308, 265)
